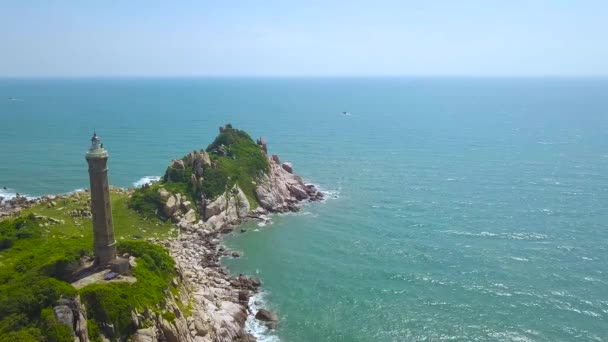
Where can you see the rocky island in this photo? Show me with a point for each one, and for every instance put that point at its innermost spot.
(169, 231)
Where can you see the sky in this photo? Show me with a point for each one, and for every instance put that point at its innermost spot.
(53, 38)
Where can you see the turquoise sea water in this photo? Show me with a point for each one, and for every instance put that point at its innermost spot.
(458, 209)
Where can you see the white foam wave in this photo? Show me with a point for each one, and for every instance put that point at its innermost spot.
(520, 258)
(8, 193)
(508, 236)
(327, 193)
(255, 327)
(146, 180)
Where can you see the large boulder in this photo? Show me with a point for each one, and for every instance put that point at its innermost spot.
(215, 207)
(287, 167)
(190, 216)
(266, 316)
(164, 194)
(171, 206)
(298, 191)
(178, 164)
(186, 205)
(145, 335)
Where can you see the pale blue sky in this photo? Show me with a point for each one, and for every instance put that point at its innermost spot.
(51, 38)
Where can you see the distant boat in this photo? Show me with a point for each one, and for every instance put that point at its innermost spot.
(346, 113)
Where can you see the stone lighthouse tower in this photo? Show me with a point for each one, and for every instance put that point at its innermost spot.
(103, 229)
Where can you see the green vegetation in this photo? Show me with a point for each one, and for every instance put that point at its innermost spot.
(53, 329)
(235, 159)
(20, 228)
(113, 303)
(169, 316)
(42, 248)
(238, 160)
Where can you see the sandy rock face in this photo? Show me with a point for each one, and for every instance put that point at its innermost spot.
(215, 207)
(280, 190)
(171, 206)
(145, 335)
(199, 160)
(190, 216)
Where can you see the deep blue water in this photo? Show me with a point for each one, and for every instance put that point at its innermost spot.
(458, 209)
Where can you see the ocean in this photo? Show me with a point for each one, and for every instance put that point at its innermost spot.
(456, 208)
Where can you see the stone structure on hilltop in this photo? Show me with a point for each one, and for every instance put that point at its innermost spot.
(103, 228)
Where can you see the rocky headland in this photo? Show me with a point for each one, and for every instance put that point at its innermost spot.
(205, 195)
(221, 302)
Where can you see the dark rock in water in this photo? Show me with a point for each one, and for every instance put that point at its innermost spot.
(287, 167)
(243, 296)
(266, 316)
(271, 325)
(235, 254)
(255, 282)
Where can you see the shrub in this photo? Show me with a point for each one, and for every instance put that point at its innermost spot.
(23, 227)
(146, 200)
(113, 303)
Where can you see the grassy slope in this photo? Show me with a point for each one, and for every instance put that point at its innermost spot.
(32, 268)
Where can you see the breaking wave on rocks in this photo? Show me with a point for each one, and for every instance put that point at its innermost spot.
(255, 327)
(146, 180)
(327, 193)
(8, 194)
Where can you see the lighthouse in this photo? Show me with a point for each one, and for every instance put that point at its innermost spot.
(103, 228)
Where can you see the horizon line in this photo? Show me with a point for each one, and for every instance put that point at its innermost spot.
(412, 76)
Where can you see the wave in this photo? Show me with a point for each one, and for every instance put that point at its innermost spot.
(507, 236)
(146, 180)
(520, 258)
(10, 194)
(255, 327)
(327, 193)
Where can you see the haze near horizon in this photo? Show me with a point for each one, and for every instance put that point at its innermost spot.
(274, 38)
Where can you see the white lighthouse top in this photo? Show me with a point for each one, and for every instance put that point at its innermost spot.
(96, 150)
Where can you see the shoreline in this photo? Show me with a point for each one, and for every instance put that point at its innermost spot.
(192, 244)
